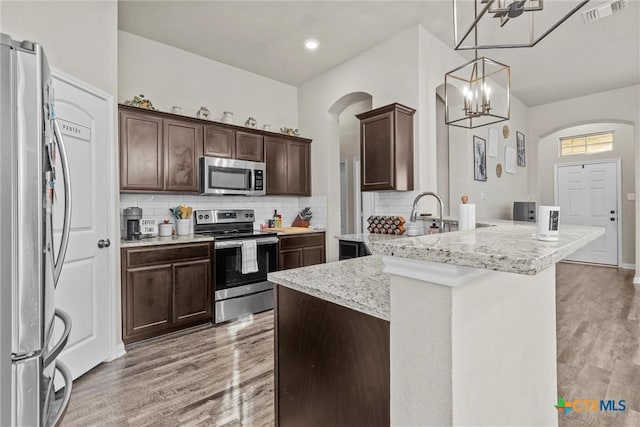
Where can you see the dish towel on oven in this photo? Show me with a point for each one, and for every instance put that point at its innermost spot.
(249, 257)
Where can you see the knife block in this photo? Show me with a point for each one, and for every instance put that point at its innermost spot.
(299, 222)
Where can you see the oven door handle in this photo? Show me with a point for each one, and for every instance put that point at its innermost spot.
(238, 243)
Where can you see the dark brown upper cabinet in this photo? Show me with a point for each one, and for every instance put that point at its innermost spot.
(158, 154)
(249, 146)
(141, 152)
(288, 165)
(219, 141)
(298, 168)
(386, 148)
(183, 148)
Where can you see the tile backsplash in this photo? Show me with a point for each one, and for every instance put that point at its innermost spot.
(156, 206)
(394, 203)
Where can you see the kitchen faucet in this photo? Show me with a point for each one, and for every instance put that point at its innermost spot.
(414, 210)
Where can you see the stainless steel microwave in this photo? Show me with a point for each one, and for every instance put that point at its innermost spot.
(227, 176)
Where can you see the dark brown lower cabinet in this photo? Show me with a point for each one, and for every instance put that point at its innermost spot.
(164, 288)
(302, 250)
(332, 364)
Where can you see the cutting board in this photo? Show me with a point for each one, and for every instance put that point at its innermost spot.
(290, 229)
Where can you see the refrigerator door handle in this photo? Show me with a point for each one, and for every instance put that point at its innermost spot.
(66, 227)
(55, 418)
(57, 349)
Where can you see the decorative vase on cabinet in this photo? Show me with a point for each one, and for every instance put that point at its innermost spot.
(386, 148)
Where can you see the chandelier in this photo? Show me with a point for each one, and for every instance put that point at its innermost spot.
(478, 92)
(494, 15)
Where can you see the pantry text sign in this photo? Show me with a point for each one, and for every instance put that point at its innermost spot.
(75, 130)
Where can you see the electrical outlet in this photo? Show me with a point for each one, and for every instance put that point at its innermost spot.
(482, 195)
(631, 196)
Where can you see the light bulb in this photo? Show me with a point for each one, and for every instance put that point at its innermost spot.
(311, 44)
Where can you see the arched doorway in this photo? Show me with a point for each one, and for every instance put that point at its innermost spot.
(354, 205)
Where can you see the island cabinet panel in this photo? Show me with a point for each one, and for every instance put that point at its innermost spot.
(302, 250)
(183, 145)
(141, 152)
(386, 148)
(249, 146)
(288, 165)
(219, 141)
(165, 288)
(332, 364)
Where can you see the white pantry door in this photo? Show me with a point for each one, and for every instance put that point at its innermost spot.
(83, 290)
(588, 195)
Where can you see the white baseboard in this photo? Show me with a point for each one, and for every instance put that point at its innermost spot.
(628, 266)
(118, 351)
(636, 280)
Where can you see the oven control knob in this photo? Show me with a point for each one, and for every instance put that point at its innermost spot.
(199, 216)
(251, 215)
(246, 215)
(206, 216)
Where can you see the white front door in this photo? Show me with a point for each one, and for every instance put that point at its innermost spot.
(83, 290)
(588, 195)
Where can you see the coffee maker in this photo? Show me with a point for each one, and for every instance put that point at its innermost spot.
(131, 219)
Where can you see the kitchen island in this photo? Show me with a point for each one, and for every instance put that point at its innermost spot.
(471, 330)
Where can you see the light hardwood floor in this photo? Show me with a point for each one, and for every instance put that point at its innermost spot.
(598, 324)
(224, 376)
(219, 376)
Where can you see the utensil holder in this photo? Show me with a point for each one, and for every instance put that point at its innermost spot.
(183, 227)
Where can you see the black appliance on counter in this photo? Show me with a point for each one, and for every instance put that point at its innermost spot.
(524, 211)
(237, 294)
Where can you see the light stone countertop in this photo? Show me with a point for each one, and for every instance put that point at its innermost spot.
(507, 246)
(173, 240)
(358, 284)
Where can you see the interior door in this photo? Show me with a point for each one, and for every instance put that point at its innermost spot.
(588, 195)
(83, 288)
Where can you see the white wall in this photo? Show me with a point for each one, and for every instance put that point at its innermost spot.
(170, 76)
(389, 73)
(623, 148)
(436, 59)
(79, 38)
(618, 105)
(499, 193)
(407, 68)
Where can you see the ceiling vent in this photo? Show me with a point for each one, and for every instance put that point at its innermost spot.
(592, 15)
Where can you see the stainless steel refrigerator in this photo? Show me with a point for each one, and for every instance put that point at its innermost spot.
(30, 259)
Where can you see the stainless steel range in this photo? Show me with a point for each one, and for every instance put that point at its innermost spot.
(236, 293)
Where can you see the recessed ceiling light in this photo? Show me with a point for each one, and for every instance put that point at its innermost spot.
(311, 44)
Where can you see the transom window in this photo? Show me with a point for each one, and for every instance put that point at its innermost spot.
(586, 144)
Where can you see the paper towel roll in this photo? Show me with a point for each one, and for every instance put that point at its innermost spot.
(466, 216)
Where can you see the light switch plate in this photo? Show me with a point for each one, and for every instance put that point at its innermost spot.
(482, 195)
(631, 196)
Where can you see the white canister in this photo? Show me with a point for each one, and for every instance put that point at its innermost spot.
(164, 230)
(227, 117)
(183, 227)
(548, 223)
